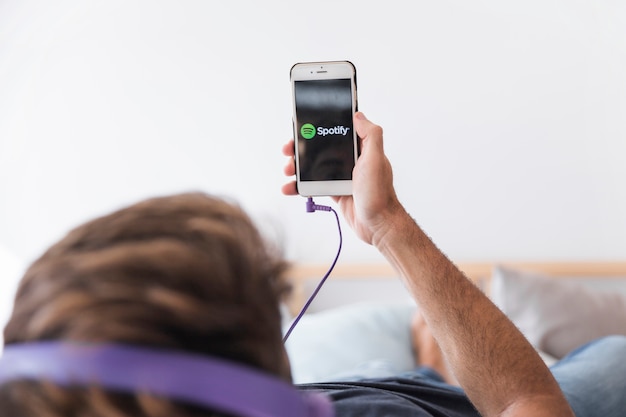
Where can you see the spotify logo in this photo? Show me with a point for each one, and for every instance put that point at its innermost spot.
(307, 131)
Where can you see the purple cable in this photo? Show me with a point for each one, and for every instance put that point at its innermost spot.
(310, 208)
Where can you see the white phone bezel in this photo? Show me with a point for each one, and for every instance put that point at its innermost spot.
(323, 71)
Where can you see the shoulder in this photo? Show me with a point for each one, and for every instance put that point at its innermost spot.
(406, 397)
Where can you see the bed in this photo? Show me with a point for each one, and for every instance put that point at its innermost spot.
(359, 324)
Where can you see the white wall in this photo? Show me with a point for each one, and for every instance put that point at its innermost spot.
(10, 269)
(505, 121)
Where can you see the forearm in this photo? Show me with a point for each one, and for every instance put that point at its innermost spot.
(493, 362)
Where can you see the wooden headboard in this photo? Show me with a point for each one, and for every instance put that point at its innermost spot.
(301, 275)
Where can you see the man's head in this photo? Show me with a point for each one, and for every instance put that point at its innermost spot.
(188, 272)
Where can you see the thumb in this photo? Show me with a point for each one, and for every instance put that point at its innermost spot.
(370, 133)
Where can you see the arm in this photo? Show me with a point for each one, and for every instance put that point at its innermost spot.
(498, 369)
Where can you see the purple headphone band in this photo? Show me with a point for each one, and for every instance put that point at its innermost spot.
(208, 382)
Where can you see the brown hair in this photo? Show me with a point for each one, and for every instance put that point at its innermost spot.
(188, 272)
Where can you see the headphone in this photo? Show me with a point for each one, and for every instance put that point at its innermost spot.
(216, 384)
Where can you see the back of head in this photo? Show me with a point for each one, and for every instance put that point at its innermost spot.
(188, 272)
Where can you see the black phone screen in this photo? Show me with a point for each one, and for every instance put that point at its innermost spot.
(324, 129)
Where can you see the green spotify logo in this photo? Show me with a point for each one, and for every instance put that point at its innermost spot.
(307, 131)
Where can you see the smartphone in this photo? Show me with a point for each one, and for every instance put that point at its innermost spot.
(326, 145)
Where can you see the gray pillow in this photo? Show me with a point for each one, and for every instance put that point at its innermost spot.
(558, 314)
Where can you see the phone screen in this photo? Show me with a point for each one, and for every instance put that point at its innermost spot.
(324, 129)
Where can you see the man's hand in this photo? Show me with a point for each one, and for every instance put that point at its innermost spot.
(373, 198)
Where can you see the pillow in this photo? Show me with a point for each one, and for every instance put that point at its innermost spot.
(361, 340)
(557, 314)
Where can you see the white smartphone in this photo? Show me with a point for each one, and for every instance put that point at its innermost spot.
(326, 145)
